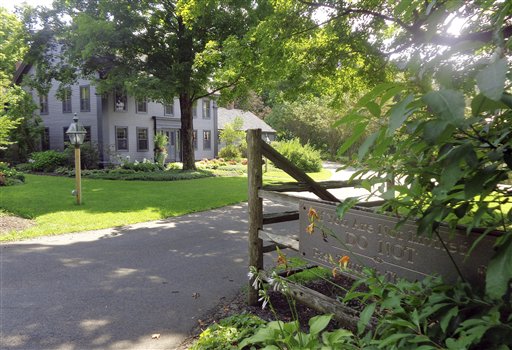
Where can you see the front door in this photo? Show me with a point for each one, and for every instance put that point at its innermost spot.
(173, 147)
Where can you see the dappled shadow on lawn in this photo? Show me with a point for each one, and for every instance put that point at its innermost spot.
(114, 289)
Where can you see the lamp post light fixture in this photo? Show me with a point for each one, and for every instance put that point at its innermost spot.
(76, 133)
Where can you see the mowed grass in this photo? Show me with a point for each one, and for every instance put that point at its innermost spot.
(107, 203)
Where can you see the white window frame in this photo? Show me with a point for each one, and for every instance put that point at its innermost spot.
(141, 105)
(118, 139)
(207, 139)
(67, 106)
(85, 101)
(139, 149)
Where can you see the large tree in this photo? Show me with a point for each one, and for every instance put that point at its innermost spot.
(16, 105)
(150, 49)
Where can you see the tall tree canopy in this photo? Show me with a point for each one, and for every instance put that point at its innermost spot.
(16, 105)
(151, 49)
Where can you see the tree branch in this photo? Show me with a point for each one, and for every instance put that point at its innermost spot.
(228, 85)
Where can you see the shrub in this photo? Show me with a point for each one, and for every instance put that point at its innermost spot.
(304, 157)
(144, 166)
(47, 161)
(230, 152)
(24, 167)
(89, 155)
(228, 332)
(174, 166)
(10, 176)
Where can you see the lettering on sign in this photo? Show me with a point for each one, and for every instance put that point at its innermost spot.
(373, 240)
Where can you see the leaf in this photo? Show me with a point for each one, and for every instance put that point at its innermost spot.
(374, 93)
(364, 148)
(393, 338)
(434, 130)
(344, 206)
(347, 119)
(318, 323)
(447, 104)
(499, 271)
(356, 134)
(445, 320)
(374, 109)
(491, 79)
(481, 104)
(364, 317)
(398, 114)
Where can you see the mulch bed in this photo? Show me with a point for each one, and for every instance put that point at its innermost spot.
(9, 223)
(280, 304)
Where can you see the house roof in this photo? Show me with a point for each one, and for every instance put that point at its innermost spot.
(251, 121)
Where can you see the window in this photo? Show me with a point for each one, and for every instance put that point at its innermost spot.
(142, 139)
(85, 98)
(207, 139)
(194, 109)
(66, 100)
(119, 101)
(121, 138)
(87, 134)
(142, 106)
(169, 109)
(195, 139)
(45, 140)
(206, 109)
(172, 138)
(43, 104)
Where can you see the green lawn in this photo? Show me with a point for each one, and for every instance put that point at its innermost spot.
(109, 203)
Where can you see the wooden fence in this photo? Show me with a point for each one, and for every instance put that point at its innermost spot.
(256, 150)
(372, 238)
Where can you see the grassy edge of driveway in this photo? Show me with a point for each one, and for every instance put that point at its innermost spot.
(109, 203)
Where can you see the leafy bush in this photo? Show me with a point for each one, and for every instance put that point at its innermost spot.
(25, 167)
(89, 155)
(10, 176)
(130, 174)
(144, 166)
(228, 332)
(305, 157)
(230, 152)
(47, 161)
(174, 166)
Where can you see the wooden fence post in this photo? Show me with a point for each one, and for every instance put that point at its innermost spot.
(255, 204)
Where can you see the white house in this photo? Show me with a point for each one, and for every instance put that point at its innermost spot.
(119, 124)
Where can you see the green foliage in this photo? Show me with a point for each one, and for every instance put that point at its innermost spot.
(160, 141)
(311, 121)
(281, 335)
(231, 152)
(16, 104)
(429, 314)
(132, 175)
(47, 161)
(144, 166)
(445, 135)
(305, 157)
(10, 176)
(89, 155)
(233, 137)
(228, 333)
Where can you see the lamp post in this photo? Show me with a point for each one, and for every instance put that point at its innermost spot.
(76, 133)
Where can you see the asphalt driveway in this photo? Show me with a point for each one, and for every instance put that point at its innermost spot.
(115, 288)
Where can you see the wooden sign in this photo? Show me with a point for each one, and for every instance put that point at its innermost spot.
(372, 240)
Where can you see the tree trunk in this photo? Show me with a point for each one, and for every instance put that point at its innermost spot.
(187, 133)
(186, 58)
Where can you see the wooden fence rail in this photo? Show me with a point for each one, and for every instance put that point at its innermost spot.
(256, 149)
